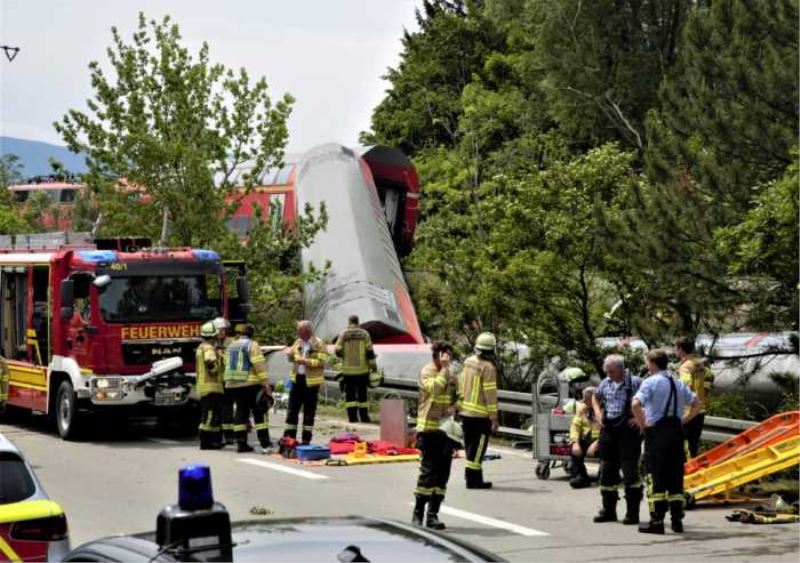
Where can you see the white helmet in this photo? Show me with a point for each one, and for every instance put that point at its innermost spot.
(221, 323)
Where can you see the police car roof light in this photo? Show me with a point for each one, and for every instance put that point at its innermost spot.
(194, 487)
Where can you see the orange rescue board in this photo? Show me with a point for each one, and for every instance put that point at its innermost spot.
(768, 433)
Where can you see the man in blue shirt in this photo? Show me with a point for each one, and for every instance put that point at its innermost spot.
(620, 445)
(658, 406)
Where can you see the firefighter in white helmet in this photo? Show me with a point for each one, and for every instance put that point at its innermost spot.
(225, 339)
(208, 366)
(478, 407)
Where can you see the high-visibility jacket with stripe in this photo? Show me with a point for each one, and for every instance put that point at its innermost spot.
(478, 389)
(436, 393)
(354, 346)
(582, 425)
(317, 355)
(3, 380)
(207, 366)
(244, 364)
(699, 378)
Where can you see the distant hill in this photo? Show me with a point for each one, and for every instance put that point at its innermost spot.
(34, 156)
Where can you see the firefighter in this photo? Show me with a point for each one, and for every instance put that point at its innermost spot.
(659, 410)
(354, 347)
(478, 407)
(436, 398)
(247, 383)
(308, 355)
(3, 384)
(209, 386)
(224, 339)
(699, 378)
(620, 446)
(584, 437)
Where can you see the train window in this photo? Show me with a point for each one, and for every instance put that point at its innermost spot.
(67, 196)
(21, 196)
(240, 225)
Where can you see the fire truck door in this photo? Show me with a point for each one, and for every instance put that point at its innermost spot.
(13, 320)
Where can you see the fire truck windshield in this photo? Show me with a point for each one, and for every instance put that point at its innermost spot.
(131, 299)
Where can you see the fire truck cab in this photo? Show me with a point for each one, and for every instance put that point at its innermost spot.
(107, 326)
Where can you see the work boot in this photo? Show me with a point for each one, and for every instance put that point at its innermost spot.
(211, 445)
(475, 479)
(633, 498)
(654, 526)
(432, 521)
(352, 414)
(244, 447)
(229, 439)
(676, 512)
(419, 510)
(363, 414)
(609, 511)
(306, 437)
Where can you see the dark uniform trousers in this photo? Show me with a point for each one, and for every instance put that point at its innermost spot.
(245, 401)
(303, 397)
(476, 440)
(578, 463)
(436, 458)
(355, 391)
(620, 448)
(228, 420)
(211, 418)
(664, 459)
(692, 433)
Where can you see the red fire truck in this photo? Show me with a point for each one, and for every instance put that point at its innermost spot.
(107, 326)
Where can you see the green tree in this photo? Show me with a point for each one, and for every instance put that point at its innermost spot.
(422, 106)
(11, 221)
(179, 126)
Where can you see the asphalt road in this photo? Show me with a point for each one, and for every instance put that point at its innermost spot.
(113, 484)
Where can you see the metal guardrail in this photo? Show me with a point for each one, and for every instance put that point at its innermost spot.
(715, 429)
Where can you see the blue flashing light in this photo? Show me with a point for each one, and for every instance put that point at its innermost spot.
(194, 487)
(98, 256)
(209, 255)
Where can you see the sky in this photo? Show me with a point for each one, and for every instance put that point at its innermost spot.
(329, 54)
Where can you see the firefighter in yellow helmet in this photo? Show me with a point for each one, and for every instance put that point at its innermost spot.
(699, 378)
(354, 347)
(436, 398)
(307, 356)
(208, 366)
(225, 339)
(478, 407)
(247, 382)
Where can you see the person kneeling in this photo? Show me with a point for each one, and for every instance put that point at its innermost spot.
(584, 436)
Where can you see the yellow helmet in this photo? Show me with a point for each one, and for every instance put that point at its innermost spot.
(208, 330)
(486, 341)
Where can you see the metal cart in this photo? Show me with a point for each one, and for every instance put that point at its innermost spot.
(551, 392)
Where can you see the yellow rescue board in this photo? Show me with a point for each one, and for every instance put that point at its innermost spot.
(740, 470)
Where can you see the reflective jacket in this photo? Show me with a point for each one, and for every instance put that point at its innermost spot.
(209, 369)
(478, 389)
(699, 378)
(3, 380)
(436, 390)
(317, 354)
(583, 424)
(244, 364)
(354, 346)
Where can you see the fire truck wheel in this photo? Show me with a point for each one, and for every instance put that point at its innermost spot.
(66, 411)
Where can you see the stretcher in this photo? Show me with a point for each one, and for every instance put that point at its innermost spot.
(370, 459)
(724, 477)
(773, 430)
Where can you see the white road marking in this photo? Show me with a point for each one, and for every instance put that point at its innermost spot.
(283, 468)
(494, 522)
(162, 441)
